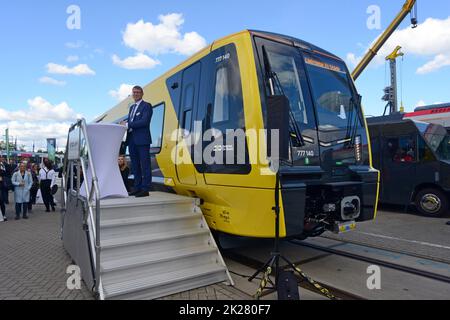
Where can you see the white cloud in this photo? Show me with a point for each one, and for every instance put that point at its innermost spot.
(76, 45)
(72, 58)
(40, 110)
(48, 80)
(164, 37)
(439, 62)
(421, 103)
(352, 59)
(123, 92)
(139, 61)
(29, 133)
(79, 70)
(41, 120)
(431, 39)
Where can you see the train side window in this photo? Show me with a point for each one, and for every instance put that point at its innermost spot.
(221, 99)
(157, 127)
(188, 102)
(227, 101)
(187, 121)
(401, 149)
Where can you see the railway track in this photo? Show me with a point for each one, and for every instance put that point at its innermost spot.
(390, 265)
(330, 251)
(256, 265)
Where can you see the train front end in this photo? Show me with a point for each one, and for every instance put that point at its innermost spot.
(328, 182)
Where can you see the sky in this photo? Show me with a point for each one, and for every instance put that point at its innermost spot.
(61, 60)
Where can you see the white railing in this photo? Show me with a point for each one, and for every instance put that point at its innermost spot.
(92, 200)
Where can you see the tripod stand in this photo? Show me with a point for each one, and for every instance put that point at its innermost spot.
(274, 262)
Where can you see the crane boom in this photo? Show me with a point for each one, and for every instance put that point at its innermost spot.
(406, 9)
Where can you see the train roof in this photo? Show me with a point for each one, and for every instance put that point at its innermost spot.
(434, 106)
(292, 41)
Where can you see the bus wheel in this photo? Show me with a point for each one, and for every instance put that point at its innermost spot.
(432, 202)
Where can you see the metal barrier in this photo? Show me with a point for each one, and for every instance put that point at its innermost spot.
(83, 163)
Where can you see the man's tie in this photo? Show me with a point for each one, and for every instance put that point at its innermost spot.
(133, 112)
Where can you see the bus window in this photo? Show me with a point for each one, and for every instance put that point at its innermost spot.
(401, 150)
(425, 153)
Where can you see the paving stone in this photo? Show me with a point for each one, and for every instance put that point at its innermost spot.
(33, 263)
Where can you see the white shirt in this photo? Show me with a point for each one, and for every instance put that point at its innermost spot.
(45, 174)
(135, 110)
(133, 114)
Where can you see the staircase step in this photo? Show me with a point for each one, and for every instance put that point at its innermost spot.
(113, 223)
(114, 253)
(149, 238)
(152, 283)
(153, 258)
(155, 199)
(132, 211)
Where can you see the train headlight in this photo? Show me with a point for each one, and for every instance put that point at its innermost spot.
(358, 149)
(350, 208)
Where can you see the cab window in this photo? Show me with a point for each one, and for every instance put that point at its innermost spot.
(401, 149)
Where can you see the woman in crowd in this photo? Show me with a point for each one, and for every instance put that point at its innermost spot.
(22, 182)
(35, 186)
(124, 171)
(3, 188)
(47, 178)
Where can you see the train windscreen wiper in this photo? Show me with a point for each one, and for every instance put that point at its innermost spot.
(352, 121)
(273, 81)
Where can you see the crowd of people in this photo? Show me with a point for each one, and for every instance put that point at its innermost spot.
(25, 179)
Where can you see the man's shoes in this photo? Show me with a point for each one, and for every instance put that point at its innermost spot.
(134, 193)
(25, 217)
(53, 209)
(142, 194)
(48, 210)
(5, 219)
(17, 218)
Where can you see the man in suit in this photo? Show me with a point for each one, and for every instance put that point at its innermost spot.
(139, 140)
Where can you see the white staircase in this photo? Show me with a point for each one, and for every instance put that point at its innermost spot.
(157, 246)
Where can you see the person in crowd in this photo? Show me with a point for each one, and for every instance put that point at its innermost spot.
(139, 140)
(47, 178)
(35, 187)
(6, 183)
(3, 188)
(124, 171)
(10, 169)
(22, 182)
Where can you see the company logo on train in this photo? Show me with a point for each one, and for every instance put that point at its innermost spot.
(328, 182)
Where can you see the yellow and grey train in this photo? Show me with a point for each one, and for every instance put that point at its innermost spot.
(327, 184)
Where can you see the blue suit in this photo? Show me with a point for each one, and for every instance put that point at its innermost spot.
(139, 140)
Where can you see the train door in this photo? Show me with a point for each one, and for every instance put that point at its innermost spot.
(189, 101)
(225, 147)
(399, 168)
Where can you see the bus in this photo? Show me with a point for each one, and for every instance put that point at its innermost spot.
(328, 183)
(414, 160)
